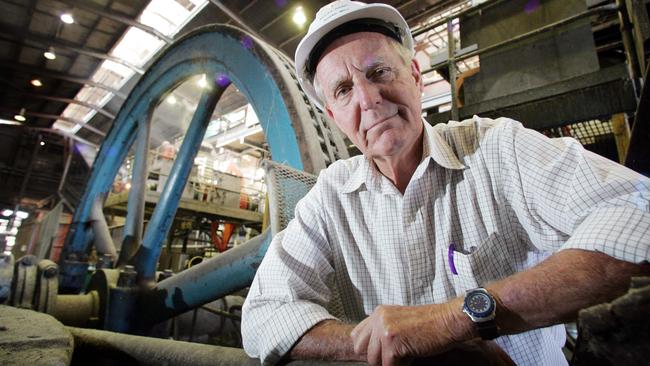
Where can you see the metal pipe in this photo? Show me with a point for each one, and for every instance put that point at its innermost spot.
(163, 215)
(220, 312)
(92, 344)
(77, 310)
(210, 280)
(103, 240)
(134, 223)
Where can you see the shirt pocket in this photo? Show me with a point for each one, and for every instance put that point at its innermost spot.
(483, 263)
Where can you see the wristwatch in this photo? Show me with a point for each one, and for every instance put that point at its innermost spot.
(481, 308)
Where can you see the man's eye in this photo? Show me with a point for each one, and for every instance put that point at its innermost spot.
(381, 72)
(342, 91)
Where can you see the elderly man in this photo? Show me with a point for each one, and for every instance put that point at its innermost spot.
(436, 235)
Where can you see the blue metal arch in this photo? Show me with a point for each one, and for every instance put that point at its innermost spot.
(259, 72)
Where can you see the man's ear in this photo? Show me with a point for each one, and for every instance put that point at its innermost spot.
(417, 75)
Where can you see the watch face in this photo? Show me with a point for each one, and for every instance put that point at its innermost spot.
(479, 303)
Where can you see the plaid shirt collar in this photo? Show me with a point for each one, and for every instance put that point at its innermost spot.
(434, 147)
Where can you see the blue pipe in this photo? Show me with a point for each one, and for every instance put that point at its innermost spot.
(134, 222)
(215, 278)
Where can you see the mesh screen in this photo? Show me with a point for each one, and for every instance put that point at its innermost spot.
(286, 186)
(596, 136)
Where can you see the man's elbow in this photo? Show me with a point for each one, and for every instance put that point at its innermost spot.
(249, 334)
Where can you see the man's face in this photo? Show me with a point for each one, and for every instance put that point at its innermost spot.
(371, 93)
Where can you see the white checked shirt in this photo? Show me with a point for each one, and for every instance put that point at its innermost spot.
(501, 196)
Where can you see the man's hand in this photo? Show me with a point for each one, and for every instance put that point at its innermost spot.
(392, 334)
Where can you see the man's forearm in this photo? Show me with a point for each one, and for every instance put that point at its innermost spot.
(555, 290)
(327, 340)
(550, 293)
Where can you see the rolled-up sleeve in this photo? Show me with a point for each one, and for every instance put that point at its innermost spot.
(569, 198)
(291, 289)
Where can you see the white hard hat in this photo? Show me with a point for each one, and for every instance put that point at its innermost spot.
(332, 17)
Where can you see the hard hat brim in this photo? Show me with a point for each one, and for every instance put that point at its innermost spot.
(378, 11)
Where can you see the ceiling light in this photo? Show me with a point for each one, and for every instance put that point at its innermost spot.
(20, 116)
(49, 54)
(36, 82)
(171, 99)
(67, 18)
(42, 143)
(8, 122)
(299, 16)
(203, 81)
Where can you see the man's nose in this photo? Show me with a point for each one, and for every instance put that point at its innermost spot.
(368, 95)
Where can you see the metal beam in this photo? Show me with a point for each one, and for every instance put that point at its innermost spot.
(55, 117)
(66, 119)
(84, 5)
(290, 39)
(275, 20)
(255, 146)
(62, 133)
(67, 100)
(22, 37)
(56, 75)
(237, 19)
(163, 215)
(638, 153)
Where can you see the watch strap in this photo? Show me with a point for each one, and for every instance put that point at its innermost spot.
(487, 330)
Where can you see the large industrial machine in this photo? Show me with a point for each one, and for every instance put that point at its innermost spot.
(126, 295)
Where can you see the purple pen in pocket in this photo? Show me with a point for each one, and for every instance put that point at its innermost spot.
(450, 258)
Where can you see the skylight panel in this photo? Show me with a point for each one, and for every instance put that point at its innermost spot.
(112, 74)
(136, 47)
